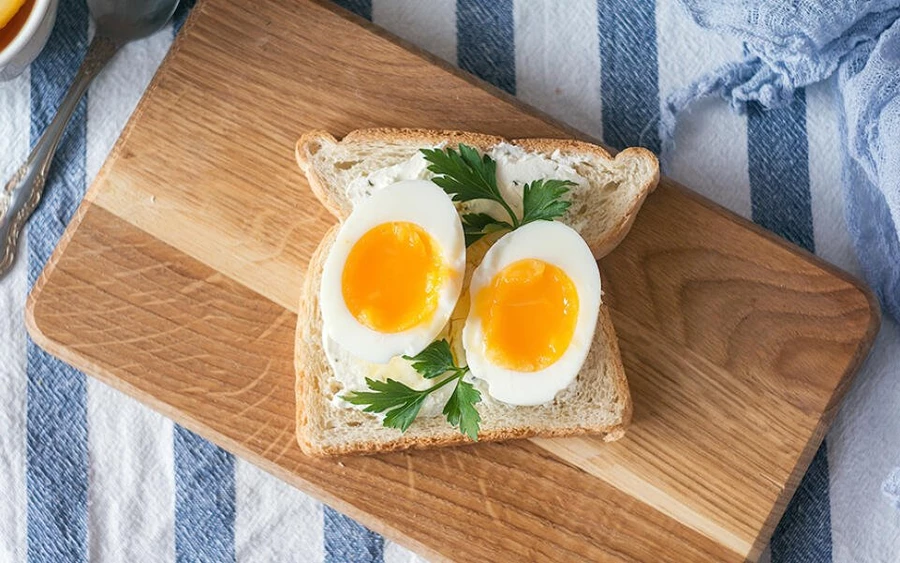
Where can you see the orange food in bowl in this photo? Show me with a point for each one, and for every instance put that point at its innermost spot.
(13, 14)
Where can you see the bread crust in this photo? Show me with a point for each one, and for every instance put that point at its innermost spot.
(312, 368)
(602, 246)
(340, 207)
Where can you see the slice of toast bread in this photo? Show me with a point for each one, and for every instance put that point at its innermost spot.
(598, 402)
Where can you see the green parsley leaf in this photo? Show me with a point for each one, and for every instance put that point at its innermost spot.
(400, 402)
(460, 409)
(541, 200)
(465, 176)
(434, 360)
(476, 225)
(402, 417)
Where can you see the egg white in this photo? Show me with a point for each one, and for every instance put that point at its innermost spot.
(561, 246)
(415, 201)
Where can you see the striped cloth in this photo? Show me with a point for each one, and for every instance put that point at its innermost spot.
(89, 474)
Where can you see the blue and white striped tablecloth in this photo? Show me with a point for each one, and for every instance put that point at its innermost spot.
(89, 474)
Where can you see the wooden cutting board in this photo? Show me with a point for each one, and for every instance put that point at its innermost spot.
(178, 281)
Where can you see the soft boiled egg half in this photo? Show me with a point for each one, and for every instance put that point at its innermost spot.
(534, 304)
(395, 272)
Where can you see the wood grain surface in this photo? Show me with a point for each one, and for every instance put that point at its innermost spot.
(178, 281)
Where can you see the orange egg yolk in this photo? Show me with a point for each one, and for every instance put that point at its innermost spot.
(392, 277)
(528, 313)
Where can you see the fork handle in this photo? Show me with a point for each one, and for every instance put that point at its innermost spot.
(25, 187)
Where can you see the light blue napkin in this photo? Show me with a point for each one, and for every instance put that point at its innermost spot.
(869, 86)
(789, 45)
(892, 487)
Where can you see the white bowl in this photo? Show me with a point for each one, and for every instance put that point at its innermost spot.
(27, 44)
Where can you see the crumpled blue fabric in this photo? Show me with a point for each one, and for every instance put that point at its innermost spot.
(892, 488)
(789, 45)
(869, 86)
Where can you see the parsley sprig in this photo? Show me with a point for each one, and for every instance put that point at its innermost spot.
(401, 403)
(466, 176)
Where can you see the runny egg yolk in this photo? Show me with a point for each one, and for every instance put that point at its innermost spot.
(528, 313)
(392, 277)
